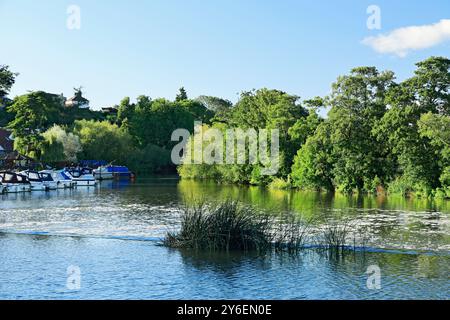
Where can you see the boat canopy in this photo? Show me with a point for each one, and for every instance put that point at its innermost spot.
(12, 177)
(45, 176)
(118, 169)
(78, 172)
(33, 176)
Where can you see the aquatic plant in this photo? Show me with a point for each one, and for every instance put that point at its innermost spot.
(291, 234)
(226, 226)
(343, 234)
(232, 226)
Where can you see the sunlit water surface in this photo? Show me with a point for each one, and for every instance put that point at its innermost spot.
(110, 232)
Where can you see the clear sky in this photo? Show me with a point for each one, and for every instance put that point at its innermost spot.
(212, 47)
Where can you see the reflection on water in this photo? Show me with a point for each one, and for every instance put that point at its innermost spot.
(34, 267)
(150, 207)
(41, 234)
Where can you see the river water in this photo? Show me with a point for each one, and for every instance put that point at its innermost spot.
(109, 236)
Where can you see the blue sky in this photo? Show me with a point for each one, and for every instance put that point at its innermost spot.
(212, 47)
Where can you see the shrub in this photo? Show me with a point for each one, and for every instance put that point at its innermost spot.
(280, 184)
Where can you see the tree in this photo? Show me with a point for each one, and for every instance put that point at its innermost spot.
(125, 110)
(7, 80)
(34, 113)
(313, 164)
(436, 127)
(182, 95)
(342, 152)
(257, 109)
(60, 145)
(103, 141)
(357, 102)
(414, 154)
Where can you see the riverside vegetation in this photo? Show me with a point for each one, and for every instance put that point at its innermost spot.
(380, 135)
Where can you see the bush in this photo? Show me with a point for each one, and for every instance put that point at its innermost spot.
(280, 184)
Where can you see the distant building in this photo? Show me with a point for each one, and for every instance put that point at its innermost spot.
(109, 110)
(4, 101)
(6, 142)
(77, 101)
(9, 158)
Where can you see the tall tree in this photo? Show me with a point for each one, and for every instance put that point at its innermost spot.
(7, 79)
(182, 95)
(427, 91)
(34, 113)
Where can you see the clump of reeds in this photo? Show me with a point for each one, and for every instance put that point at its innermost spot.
(291, 234)
(232, 226)
(226, 226)
(339, 235)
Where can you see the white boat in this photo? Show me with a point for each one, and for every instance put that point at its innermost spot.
(82, 177)
(14, 182)
(62, 180)
(35, 180)
(47, 179)
(112, 172)
(103, 173)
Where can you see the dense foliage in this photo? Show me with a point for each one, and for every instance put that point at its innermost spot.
(379, 135)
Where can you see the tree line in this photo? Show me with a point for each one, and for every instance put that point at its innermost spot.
(380, 135)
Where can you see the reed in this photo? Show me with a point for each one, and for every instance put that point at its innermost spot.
(230, 225)
(226, 226)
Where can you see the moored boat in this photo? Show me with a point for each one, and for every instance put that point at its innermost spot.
(47, 179)
(82, 177)
(63, 181)
(14, 183)
(35, 180)
(112, 172)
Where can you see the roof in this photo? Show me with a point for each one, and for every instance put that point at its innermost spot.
(15, 156)
(78, 98)
(6, 143)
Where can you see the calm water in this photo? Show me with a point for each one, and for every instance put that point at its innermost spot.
(110, 233)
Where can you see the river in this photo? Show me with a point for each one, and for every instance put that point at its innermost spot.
(109, 236)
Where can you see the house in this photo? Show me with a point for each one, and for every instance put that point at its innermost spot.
(77, 101)
(109, 110)
(6, 142)
(9, 158)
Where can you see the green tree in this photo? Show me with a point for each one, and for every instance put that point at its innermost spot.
(125, 110)
(103, 141)
(414, 155)
(257, 109)
(60, 145)
(182, 95)
(357, 102)
(436, 127)
(220, 107)
(7, 80)
(313, 164)
(34, 113)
